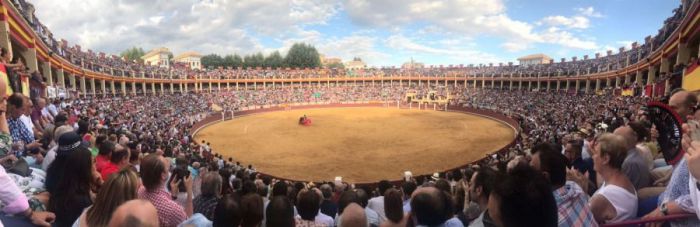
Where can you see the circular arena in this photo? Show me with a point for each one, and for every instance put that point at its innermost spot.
(356, 142)
(314, 113)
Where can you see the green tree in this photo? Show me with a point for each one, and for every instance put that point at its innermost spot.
(237, 61)
(228, 61)
(302, 55)
(248, 61)
(134, 53)
(259, 59)
(274, 60)
(212, 61)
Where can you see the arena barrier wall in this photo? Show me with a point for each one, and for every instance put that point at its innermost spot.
(216, 117)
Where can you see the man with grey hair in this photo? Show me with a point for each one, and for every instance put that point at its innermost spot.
(206, 202)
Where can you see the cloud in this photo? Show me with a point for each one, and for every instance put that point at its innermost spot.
(566, 39)
(450, 30)
(352, 46)
(468, 18)
(213, 26)
(472, 19)
(589, 12)
(579, 22)
(456, 54)
(515, 46)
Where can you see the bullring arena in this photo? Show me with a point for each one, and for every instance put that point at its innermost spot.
(356, 142)
(301, 113)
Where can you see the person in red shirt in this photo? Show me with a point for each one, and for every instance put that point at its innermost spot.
(102, 159)
(118, 160)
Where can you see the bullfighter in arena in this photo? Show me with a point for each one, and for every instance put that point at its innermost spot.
(304, 120)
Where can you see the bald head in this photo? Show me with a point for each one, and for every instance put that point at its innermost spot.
(354, 215)
(628, 134)
(683, 102)
(137, 213)
(430, 206)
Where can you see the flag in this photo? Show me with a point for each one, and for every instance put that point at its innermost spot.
(6, 79)
(25, 85)
(627, 92)
(648, 90)
(659, 88)
(691, 79)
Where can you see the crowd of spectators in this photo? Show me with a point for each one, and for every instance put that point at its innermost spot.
(579, 159)
(118, 66)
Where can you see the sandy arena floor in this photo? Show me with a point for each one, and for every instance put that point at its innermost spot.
(360, 144)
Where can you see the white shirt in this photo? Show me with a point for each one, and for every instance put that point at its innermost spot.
(585, 153)
(324, 219)
(694, 195)
(27, 121)
(624, 202)
(320, 219)
(50, 156)
(377, 204)
(53, 110)
(45, 112)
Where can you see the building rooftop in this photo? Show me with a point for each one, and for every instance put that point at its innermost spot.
(186, 55)
(156, 51)
(534, 56)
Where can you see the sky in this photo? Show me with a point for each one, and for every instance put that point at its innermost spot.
(381, 32)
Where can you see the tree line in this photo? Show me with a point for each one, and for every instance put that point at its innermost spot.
(300, 55)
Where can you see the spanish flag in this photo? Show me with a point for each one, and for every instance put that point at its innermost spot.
(627, 92)
(25, 85)
(6, 80)
(691, 78)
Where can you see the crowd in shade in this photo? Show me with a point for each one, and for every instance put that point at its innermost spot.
(579, 160)
(118, 66)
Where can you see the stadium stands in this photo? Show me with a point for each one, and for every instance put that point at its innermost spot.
(141, 119)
